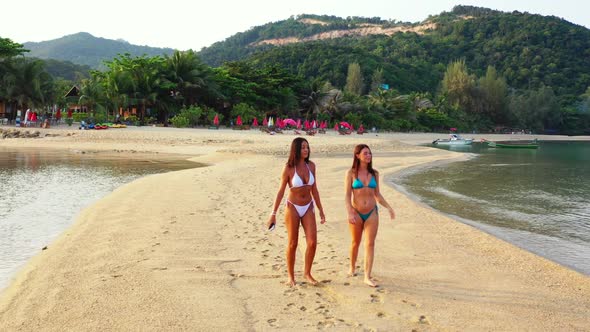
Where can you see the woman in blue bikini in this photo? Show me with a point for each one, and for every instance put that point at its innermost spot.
(362, 196)
(299, 174)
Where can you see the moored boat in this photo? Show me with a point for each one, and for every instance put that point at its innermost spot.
(514, 144)
(454, 139)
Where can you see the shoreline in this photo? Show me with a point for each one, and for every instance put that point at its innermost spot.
(200, 260)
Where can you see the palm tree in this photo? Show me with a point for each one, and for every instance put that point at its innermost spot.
(92, 95)
(313, 99)
(192, 78)
(27, 83)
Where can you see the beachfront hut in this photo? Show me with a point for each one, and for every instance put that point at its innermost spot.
(73, 98)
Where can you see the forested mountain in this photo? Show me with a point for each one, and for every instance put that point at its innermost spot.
(85, 49)
(471, 69)
(528, 50)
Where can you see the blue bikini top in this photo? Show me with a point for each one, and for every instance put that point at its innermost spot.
(358, 184)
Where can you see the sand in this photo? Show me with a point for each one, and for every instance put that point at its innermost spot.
(188, 251)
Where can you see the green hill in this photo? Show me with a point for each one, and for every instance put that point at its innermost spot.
(528, 50)
(85, 49)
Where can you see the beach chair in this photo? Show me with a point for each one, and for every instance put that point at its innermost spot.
(344, 131)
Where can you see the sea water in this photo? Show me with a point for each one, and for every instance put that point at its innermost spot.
(41, 192)
(537, 199)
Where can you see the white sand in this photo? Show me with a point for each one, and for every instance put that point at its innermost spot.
(187, 250)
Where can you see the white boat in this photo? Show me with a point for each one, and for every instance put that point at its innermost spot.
(454, 139)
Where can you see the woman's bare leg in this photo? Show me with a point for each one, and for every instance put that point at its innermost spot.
(292, 225)
(356, 234)
(370, 230)
(310, 228)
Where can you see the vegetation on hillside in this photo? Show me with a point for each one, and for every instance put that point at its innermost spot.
(85, 49)
(479, 69)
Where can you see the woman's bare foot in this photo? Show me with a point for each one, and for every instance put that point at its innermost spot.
(370, 282)
(311, 280)
(351, 273)
(290, 282)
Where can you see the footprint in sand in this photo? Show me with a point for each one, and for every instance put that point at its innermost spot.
(159, 268)
(411, 303)
(272, 322)
(421, 320)
(376, 298)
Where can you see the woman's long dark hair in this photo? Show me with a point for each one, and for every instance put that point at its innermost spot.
(295, 153)
(356, 161)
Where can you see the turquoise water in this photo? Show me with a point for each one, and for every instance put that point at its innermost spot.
(42, 191)
(536, 199)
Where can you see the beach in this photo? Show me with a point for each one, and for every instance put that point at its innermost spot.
(188, 250)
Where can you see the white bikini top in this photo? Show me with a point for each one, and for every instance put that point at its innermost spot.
(297, 181)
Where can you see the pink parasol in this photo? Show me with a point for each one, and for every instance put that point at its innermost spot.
(453, 129)
(239, 121)
(290, 122)
(216, 120)
(298, 123)
(265, 122)
(336, 126)
(346, 125)
(255, 122)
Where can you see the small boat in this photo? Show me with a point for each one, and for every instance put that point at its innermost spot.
(514, 144)
(454, 139)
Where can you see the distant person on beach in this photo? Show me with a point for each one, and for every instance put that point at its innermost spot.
(362, 196)
(300, 174)
(27, 117)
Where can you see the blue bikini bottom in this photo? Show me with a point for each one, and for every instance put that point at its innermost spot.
(365, 216)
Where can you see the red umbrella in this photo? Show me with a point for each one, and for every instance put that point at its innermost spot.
(216, 120)
(298, 124)
(239, 121)
(265, 122)
(453, 129)
(346, 125)
(336, 126)
(290, 122)
(255, 122)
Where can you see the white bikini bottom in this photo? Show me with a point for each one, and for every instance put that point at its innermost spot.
(302, 209)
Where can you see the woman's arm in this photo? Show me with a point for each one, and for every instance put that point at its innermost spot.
(316, 194)
(381, 200)
(348, 197)
(273, 214)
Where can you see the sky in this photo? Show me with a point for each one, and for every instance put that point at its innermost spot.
(191, 24)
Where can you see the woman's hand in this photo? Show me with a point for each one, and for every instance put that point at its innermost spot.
(322, 217)
(391, 213)
(272, 221)
(352, 217)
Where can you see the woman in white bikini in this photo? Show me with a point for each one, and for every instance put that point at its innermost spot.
(362, 196)
(299, 174)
